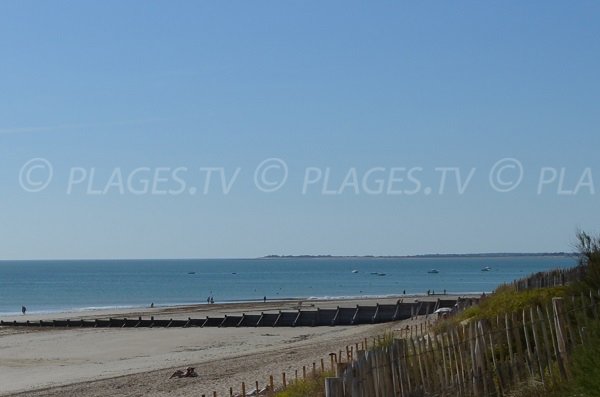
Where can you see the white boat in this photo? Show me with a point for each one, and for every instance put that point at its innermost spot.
(486, 269)
(354, 271)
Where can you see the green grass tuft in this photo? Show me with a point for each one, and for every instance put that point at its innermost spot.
(309, 387)
(386, 341)
(506, 300)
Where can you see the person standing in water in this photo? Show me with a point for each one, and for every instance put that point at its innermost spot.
(23, 310)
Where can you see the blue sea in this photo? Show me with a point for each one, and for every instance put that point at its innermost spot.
(57, 286)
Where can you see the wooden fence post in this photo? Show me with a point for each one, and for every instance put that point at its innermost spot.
(537, 350)
(454, 352)
(334, 387)
(331, 356)
(528, 346)
(339, 369)
(548, 341)
(475, 373)
(559, 325)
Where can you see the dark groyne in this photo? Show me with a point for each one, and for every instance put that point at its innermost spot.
(301, 318)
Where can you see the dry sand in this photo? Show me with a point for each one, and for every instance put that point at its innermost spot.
(138, 362)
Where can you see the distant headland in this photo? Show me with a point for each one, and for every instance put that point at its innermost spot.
(481, 255)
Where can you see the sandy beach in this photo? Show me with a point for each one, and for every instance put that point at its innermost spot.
(138, 362)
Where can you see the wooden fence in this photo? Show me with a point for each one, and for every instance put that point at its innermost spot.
(283, 380)
(473, 359)
(330, 363)
(552, 278)
(422, 312)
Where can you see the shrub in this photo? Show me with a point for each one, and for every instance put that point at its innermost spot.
(589, 250)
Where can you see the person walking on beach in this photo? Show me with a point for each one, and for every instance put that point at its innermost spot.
(265, 299)
(23, 310)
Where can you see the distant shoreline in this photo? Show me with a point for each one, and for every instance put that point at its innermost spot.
(419, 256)
(427, 256)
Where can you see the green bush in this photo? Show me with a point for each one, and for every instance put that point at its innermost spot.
(589, 250)
(312, 386)
(507, 300)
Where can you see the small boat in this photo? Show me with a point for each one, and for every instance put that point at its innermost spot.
(381, 274)
(486, 269)
(191, 272)
(433, 271)
(354, 271)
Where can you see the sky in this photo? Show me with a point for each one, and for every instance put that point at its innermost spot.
(239, 129)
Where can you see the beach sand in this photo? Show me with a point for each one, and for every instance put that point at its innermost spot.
(138, 362)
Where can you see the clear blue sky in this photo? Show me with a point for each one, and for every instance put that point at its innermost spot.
(127, 84)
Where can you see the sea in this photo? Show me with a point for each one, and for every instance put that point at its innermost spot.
(80, 285)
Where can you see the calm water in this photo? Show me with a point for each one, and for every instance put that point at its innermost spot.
(49, 286)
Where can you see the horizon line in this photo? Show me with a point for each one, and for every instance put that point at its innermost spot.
(308, 256)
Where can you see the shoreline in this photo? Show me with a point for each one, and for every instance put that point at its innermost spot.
(158, 309)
